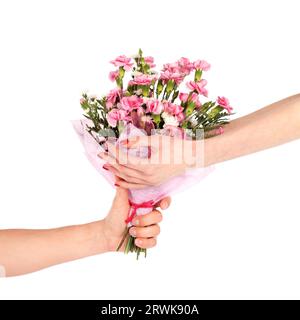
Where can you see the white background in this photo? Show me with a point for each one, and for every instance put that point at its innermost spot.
(236, 234)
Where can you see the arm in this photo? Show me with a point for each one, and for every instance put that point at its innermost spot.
(273, 125)
(23, 251)
(268, 127)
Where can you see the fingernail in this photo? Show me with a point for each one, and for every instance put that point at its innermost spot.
(138, 242)
(124, 141)
(105, 167)
(132, 231)
(135, 222)
(164, 205)
(117, 185)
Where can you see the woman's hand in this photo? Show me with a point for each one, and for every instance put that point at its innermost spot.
(168, 157)
(145, 228)
(23, 251)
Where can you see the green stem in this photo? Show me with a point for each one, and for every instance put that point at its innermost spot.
(125, 234)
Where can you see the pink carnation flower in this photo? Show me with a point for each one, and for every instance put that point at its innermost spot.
(150, 61)
(199, 87)
(130, 103)
(185, 66)
(194, 97)
(224, 102)
(201, 65)
(182, 66)
(113, 75)
(116, 115)
(168, 75)
(143, 80)
(111, 98)
(172, 108)
(171, 67)
(122, 61)
(180, 116)
(155, 106)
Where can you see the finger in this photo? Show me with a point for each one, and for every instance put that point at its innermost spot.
(108, 158)
(122, 156)
(164, 203)
(136, 168)
(145, 243)
(116, 172)
(131, 173)
(122, 196)
(129, 185)
(125, 177)
(148, 219)
(145, 232)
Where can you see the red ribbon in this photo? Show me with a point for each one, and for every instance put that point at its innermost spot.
(135, 206)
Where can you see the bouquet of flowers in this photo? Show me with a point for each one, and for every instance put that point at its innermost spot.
(150, 103)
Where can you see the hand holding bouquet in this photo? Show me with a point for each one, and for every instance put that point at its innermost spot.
(148, 103)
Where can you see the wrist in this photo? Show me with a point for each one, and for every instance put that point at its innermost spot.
(204, 152)
(196, 157)
(97, 234)
(111, 239)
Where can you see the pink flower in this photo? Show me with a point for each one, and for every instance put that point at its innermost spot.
(113, 75)
(168, 75)
(183, 97)
(122, 61)
(131, 103)
(172, 108)
(155, 106)
(180, 116)
(116, 115)
(199, 87)
(194, 98)
(82, 101)
(185, 66)
(182, 66)
(113, 117)
(140, 111)
(201, 65)
(150, 61)
(171, 67)
(224, 102)
(143, 80)
(111, 98)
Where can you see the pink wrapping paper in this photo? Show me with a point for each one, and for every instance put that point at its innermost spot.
(174, 185)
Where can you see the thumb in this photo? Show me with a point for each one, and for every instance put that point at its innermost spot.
(120, 206)
(121, 193)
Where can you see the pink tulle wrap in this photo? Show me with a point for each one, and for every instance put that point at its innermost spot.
(154, 194)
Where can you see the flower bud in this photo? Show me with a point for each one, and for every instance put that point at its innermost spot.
(170, 86)
(159, 87)
(198, 75)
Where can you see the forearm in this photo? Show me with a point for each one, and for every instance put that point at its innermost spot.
(23, 251)
(268, 127)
